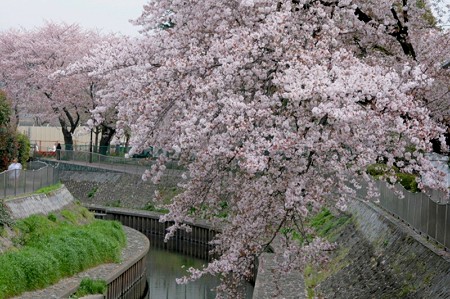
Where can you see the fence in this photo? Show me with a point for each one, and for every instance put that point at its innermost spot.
(108, 150)
(21, 181)
(418, 210)
(122, 164)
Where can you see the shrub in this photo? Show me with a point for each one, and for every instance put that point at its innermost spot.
(151, 207)
(5, 218)
(378, 170)
(23, 143)
(52, 217)
(408, 181)
(92, 192)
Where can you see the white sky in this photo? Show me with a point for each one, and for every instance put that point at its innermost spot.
(106, 15)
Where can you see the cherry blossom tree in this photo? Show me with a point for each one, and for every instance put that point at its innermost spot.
(275, 108)
(103, 84)
(30, 57)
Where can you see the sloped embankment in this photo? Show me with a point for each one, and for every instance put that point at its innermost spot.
(379, 257)
(118, 189)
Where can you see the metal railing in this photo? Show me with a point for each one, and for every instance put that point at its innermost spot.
(423, 213)
(21, 181)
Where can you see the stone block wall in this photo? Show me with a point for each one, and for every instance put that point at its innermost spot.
(386, 259)
(116, 189)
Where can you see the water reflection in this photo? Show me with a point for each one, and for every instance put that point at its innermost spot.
(164, 267)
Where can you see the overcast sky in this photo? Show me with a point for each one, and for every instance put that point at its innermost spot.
(107, 15)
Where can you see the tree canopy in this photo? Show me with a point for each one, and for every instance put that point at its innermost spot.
(277, 108)
(29, 60)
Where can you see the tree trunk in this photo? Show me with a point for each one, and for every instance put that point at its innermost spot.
(96, 132)
(68, 138)
(105, 140)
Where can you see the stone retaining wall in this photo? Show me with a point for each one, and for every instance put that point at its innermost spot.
(116, 189)
(386, 259)
(272, 283)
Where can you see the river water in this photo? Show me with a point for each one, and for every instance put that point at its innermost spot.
(163, 267)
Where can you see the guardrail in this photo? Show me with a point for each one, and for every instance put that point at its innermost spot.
(131, 283)
(22, 181)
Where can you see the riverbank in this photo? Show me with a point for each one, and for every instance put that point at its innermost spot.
(137, 246)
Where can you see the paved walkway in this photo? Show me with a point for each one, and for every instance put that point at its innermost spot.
(111, 166)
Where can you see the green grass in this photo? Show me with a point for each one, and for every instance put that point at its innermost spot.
(151, 207)
(48, 248)
(408, 181)
(48, 189)
(325, 225)
(92, 192)
(90, 286)
(314, 275)
(166, 194)
(5, 218)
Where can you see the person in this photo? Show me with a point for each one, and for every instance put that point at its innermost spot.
(58, 151)
(14, 171)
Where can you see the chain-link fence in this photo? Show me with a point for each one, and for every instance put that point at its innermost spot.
(20, 181)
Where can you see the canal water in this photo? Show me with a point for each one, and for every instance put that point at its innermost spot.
(163, 267)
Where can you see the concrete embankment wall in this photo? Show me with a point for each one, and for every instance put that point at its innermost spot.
(381, 257)
(25, 206)
(116, 189)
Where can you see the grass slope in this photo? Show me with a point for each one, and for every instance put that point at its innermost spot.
(48, 248)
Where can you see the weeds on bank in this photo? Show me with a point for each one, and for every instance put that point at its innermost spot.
(329, 226)
(92, 192)
(165, 195)
(48, 189)
(90, 286)
(48, 248)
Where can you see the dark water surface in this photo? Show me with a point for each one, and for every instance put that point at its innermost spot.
(163, 267)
